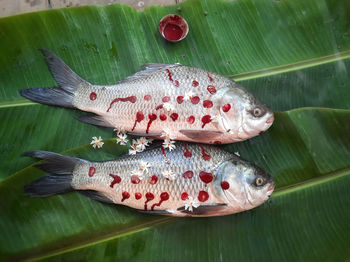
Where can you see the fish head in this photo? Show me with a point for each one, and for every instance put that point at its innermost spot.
(243, 184)
(243, 115)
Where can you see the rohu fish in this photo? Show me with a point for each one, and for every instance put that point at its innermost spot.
(194, 104)
(192, 180)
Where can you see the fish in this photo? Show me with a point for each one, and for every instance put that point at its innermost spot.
(194, 104)
(196, 180)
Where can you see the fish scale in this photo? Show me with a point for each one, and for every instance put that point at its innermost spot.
(219, 111)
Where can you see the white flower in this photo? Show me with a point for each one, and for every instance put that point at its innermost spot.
(119, 131)
(168, 174)
(134, 149)
(188, 96)
(132, 152)
(96, 142)
(191, 203)
(142, 142)
(168, 106)
(137, 174)
(167, 135)
(122, 139)
(237, 154)
(144, 166)
(169, 144)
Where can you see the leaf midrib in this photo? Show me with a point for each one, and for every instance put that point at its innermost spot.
(157, 222)
(239, 77)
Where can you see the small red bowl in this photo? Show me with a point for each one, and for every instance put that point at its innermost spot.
(173, 28)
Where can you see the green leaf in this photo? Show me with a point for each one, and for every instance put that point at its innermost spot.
(290, 54)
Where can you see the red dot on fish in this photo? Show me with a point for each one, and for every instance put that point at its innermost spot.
(184, 196)
(138, 195)
(180, 99)
(225, 185)
(93, 96)
(125, 195)
(176, 83)
(195, 83)
(174, 116)
(159, 107)
(217, 142)
(149, 196)
(203, 196)
(135, 180)
(166, 99)
(162, 117)
(205, 156)
(151, 117)
(205, 120)
(190, 119)
(139, 116)
(153, 180)
(210, 78)
(188, 174)
(164, 196)
(206, 177)
(187, 153)
(147, 97)
(211, 89)
(195, 100)
(207, 103)
(92, 171)
(116, 180)
(226, 107)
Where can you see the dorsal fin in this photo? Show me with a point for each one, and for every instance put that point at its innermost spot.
(148, 70)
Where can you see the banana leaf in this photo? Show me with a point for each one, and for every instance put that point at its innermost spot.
(290, 54)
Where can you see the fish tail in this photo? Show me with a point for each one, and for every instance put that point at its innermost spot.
(67, 80)
(61, 173)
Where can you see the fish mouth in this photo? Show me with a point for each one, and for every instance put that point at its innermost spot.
(270, 189)
(270, 120)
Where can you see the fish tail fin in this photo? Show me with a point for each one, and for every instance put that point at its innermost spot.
(67, 80)
(61, 173)
(54, 96)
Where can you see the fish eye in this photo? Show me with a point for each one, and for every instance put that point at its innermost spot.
(259, 181)
(258, 112)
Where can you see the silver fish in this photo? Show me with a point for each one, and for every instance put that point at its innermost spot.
(193, 104)
(193, 180)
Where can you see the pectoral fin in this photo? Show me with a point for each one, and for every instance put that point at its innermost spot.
(157, 212)
(144, 134)
(94, 120)
(95, 195)
(204, 210)
(200, 134)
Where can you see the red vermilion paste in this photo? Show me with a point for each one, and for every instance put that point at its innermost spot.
(116, 180)
(131, 99)
(163, 197)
